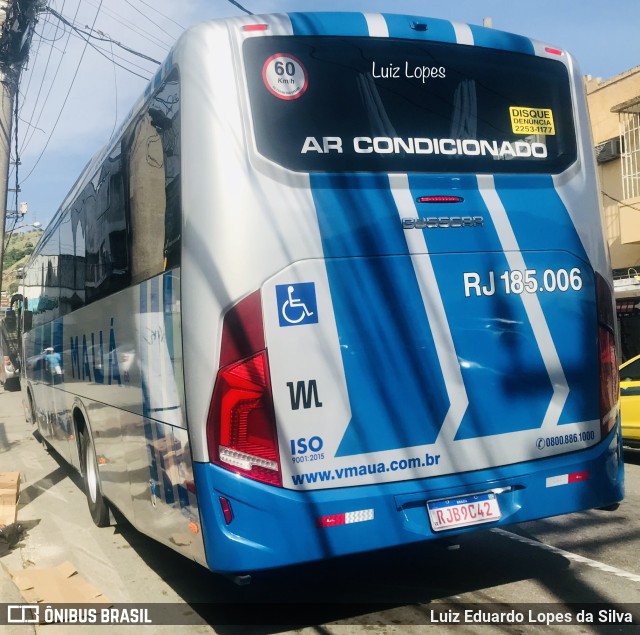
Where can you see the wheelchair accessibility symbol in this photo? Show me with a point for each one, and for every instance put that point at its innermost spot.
(297, 304)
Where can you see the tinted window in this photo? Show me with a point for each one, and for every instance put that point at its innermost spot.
(42, 279)
(102, 200)
(153, 169)
(367, 104)
(123, 226)
(72, 261)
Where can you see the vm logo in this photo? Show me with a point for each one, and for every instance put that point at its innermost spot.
(305, 393)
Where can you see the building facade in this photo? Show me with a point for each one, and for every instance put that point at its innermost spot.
(614, 107)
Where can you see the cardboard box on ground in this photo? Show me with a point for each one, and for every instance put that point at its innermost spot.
(61, 584)
(9, 494)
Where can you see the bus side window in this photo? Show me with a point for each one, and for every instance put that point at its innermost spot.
(72, 260)
(41, 281)
(103, 205)
(153, 162)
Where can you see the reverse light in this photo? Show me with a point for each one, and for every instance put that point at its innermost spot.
(241, 427)
(609, 375)
(335, 520)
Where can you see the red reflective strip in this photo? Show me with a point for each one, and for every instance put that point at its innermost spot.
(578, 476)
(553, 51)
(227, 512)
(331, 521)
(255, 27)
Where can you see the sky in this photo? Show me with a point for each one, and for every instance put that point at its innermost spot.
(72, 96)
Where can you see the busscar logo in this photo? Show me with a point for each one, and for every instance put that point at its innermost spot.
(442, 222)
(23, 614)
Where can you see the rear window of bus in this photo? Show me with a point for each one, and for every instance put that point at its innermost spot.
(387, 105)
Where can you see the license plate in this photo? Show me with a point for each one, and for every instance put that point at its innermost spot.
(463, 511)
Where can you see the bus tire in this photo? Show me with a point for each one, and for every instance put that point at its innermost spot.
(32, 409)
(97, 504)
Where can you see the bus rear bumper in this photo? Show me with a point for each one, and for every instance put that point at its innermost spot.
(273, 527)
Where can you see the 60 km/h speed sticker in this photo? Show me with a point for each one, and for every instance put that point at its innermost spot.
(525, 120)
(285, 76)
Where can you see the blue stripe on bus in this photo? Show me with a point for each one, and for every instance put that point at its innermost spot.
(167, 304)
(58, 339)
(438, 30)
(146, 401)
(386, 342)
(181, 490)
(329, 24)
(492, 335)
(488, 331)
(533, 206)
(167, 311)
(491, 38)
(155, 302)
(155, 295)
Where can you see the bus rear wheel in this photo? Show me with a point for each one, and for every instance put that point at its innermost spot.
(97, 504)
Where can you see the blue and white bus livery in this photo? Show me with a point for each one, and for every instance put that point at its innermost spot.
(338, 284)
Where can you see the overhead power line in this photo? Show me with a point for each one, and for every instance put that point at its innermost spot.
(135, 28)
(239, 6)
(146, 17)
(103, 36)
(34, 126)
(102, 52)
(166, 17)
(73, 80)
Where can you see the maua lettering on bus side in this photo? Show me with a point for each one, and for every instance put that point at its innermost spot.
(87, 363)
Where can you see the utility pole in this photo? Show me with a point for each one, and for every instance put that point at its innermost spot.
(6, 104)
(17, 19)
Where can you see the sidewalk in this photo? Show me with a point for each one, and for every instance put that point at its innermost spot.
(19, 452)
(53, 507)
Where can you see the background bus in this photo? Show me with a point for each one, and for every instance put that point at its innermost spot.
(339, 283)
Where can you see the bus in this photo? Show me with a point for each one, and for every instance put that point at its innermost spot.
(337, 284)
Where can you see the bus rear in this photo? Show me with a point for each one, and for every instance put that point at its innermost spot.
(405, 250)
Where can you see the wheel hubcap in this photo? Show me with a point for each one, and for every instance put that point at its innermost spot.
(92, 480)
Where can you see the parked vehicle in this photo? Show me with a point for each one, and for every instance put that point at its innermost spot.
(9, 351)
(630, 401)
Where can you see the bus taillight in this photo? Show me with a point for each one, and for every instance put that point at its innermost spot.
(609, 379)
(241, 428)
(609, 376)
